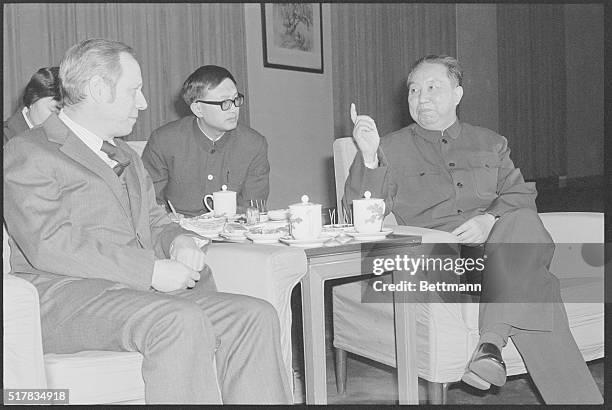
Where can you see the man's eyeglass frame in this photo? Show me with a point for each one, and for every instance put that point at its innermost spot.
(226, 104)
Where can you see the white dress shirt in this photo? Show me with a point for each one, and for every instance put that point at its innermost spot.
(89, 138)
(24, 112)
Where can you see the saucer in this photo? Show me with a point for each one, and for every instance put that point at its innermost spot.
(233, 238)
(340, 227)
(367, 236)
(204, 231)
(264, 237)
(329, 233)
(305, 243)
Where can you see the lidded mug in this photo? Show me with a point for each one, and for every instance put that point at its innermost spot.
(224, 202)
(305, 219)
(368, 213)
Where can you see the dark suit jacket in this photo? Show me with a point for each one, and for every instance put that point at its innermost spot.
(14, 126)
(70, 219)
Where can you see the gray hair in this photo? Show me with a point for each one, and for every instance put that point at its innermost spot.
(453, 69)
(86, 59)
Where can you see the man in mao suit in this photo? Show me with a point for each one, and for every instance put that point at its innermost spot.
(444, 174)
(112, 271)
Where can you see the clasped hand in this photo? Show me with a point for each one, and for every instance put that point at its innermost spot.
(475, 231)
(183, 268)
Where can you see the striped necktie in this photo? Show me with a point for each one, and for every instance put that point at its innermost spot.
(116, 154)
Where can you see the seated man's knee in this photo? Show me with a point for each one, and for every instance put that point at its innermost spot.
(186, 319)
(525, 213)
(259, 309)
(521, 225)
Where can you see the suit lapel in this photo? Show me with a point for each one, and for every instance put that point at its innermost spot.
(76, 149)
(132, 182)
(17, 124)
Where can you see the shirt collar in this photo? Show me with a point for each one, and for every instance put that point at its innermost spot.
(24, 112)
(218, 144)
(434, 136)
(89, 138)
(203, 133)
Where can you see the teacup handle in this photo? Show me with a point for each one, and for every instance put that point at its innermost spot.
(206, 198)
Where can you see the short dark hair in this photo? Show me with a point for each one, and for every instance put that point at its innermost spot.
(44, 83)
(453, 69)
(203, 79)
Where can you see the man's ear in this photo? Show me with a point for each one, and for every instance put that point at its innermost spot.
(99, 89)
(458, 94)
(196, 109)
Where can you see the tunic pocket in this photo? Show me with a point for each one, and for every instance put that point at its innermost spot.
(424, 185)
(485, 170)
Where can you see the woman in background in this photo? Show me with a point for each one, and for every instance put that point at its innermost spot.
(40, 98)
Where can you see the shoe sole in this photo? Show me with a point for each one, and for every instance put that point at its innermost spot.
(474, 380)
(489, 371)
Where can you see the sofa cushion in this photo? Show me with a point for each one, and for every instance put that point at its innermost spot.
(97, 376)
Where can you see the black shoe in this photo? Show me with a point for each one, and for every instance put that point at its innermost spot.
(474, 380)
(487, 363)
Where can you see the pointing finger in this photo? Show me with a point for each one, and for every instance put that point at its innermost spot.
(365, 122)
(353, 113)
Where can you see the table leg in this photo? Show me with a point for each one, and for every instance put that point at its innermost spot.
(405, 341)
(313, 313)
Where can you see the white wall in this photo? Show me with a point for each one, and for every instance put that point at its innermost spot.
(294, 111)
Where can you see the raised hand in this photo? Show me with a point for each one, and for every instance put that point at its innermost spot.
(365, 135)
(169, 275)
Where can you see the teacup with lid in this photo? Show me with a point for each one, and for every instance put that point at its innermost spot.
(224, 202)
(305, 220)
(368, 213)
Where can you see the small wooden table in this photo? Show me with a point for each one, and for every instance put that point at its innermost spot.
(345, 261)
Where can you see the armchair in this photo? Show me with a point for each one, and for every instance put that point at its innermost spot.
(95, 377)
(447, 333)
(100, 377)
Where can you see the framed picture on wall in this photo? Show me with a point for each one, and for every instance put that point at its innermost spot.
(292, 36)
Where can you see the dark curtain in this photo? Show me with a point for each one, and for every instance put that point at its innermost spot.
(532, 87)
(373, 47)
(170, 41)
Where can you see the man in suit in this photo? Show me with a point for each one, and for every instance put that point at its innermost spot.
(444, 174)
(196, 155)
(112, 271)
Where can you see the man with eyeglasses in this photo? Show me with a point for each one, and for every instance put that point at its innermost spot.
(198, 154)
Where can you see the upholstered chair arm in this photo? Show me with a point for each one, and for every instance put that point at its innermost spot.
(22, 342)
(268, 272)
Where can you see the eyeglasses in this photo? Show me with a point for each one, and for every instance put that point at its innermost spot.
(226, 104)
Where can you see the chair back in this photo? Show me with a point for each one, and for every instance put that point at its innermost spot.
(579, 243)
(345, 150)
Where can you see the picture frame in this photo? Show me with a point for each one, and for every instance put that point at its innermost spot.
(292, 36)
